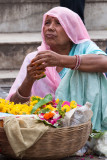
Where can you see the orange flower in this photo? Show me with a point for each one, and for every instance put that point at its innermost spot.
(49, 115)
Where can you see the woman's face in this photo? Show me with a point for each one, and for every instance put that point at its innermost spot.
(54, 34)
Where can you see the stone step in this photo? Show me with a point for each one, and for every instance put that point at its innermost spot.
(95, 14)
(99, 37)
(23, 15)
(26, 15)
(7, 78)
(15, 46)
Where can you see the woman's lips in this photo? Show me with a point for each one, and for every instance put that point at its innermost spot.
(50, 36)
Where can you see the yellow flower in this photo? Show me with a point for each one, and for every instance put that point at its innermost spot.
(33, 102)
(66, 107)
(36, 97)
(18, 109)
(49, 106)
(57, 101)
(73, 104)
(39, 97)
(4, 110)
(1, 107)
(37, 110)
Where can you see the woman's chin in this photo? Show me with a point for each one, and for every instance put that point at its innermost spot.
(51, 45)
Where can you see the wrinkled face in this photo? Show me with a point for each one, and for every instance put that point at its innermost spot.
(54, 33)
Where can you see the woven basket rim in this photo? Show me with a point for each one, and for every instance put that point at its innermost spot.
(78, 125)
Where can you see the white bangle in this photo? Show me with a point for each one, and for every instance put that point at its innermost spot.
(21, 97)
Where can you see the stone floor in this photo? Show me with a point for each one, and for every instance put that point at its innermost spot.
(90, 157)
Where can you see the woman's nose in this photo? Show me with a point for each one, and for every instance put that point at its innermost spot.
(52, 27)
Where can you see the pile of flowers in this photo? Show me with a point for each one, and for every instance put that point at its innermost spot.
(46, 109)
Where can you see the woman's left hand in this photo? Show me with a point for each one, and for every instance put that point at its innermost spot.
(47, 59)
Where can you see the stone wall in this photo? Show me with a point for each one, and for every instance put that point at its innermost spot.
(96, 14)
(26, 15)
(12, 55)
(23, 15)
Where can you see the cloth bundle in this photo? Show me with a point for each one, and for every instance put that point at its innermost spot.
(23, 132)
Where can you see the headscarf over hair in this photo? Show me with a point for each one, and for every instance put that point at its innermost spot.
(71, 23)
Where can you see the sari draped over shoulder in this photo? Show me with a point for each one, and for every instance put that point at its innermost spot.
(85, 86)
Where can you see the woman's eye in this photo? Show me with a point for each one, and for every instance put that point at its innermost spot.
(58, 22)
(47, 22)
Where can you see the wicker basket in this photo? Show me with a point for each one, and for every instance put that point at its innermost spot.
(56, 143)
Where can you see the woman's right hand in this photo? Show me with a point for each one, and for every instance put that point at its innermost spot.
(24, 91)
(33, 73)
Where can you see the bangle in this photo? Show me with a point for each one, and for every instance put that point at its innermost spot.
(78, 62)
(21, 97)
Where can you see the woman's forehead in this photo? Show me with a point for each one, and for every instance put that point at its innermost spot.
(51, 17)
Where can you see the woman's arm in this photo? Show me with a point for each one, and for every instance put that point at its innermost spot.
(22, 94)
(89, 62)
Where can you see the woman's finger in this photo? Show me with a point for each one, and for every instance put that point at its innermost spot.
(38, 57)
(39, 62)
(42, 54)
(39, 76)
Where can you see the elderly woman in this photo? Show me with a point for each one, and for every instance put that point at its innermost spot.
(66, 56)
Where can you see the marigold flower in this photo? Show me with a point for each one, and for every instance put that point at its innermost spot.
(66, 107)
(36, 110)
(49, 106)
(73, 104)
(57, 101)
(33, 102)
(1, 107)
(49, 115)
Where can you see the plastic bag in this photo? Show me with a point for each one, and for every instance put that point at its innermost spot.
(78, 115)
(101, 145)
